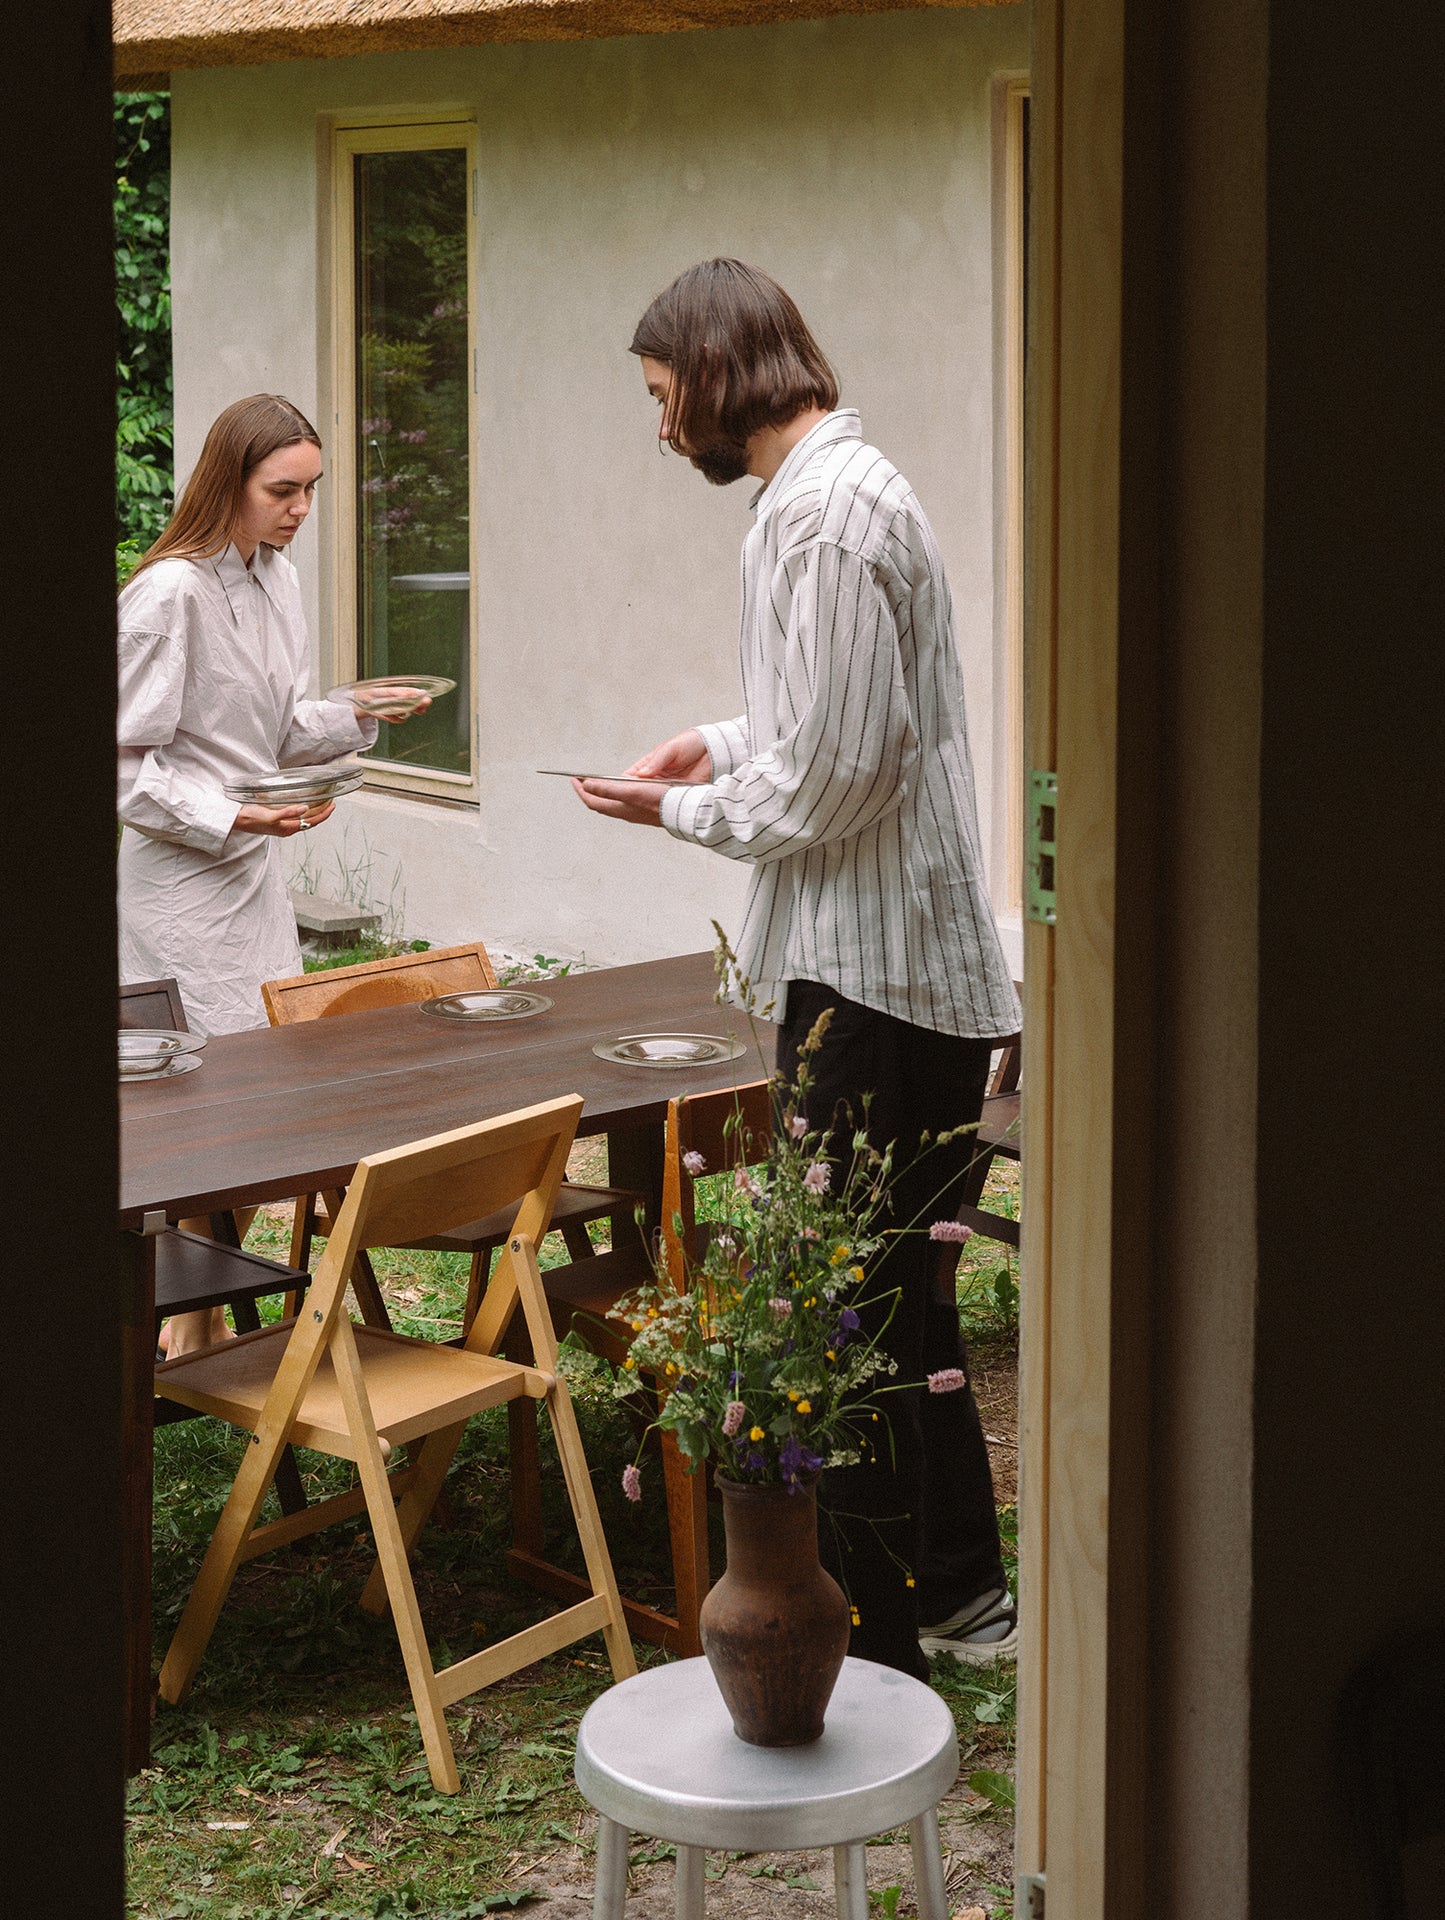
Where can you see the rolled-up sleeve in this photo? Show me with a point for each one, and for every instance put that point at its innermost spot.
(848, 741)
(322, 730)
(157, 796)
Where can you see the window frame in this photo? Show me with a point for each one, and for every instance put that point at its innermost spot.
(347, 141)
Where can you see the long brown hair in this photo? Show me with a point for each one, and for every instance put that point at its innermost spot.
(740, 352)
(248, 432)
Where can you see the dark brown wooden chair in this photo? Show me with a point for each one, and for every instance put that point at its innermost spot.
(998, 1134)
(153, 1003)
(731, 1128)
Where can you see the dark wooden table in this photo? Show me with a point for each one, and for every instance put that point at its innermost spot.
(288, 1110)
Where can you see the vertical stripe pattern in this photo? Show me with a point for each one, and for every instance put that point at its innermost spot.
(848, 782)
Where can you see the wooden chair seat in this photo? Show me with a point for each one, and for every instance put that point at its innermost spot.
(576, 1205)
(413, 1386)
(998, 1126)
(193, 1273)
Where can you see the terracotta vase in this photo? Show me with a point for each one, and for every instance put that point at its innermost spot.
(775, 1627)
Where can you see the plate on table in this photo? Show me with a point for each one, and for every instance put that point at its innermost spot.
(493, 1003)
(668, 1049)
(297, 786)
(392, 693)
(151, 1053)
(178, 1063)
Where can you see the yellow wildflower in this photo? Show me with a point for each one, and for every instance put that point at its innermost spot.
(853, 1615)
(805, 1406)
(793, 1393)
(652, 1313)
(909, 1581)
(756, 1433)
(629, 1364)
(831, 1354)
(669, 1368)
(856, 1273)
(839, 1255)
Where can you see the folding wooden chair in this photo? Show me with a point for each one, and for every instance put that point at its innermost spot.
(731, 1128)
(393, 982)
(359, 1392)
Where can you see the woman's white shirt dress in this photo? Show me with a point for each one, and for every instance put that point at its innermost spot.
(214, 664)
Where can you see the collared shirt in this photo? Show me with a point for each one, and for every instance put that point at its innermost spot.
(848, 781)
(214, 664)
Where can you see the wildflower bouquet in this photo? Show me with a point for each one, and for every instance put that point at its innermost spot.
(763, 1359)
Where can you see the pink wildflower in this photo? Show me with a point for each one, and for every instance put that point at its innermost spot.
(632, 1479)
(797, 1126)
(781, 1308)
(744, 1182)
(734, 1415)
(694, 1163)
(949, 1230)
(817, 1177)
(948, 1381)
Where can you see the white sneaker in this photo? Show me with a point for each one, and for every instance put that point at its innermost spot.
(987, 1629)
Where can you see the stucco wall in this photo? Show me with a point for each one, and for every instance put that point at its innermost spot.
(849, 157)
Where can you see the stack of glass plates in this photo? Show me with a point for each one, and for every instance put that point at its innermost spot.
(668, 1049)
(297, 786)
(495, 1003)
(153, 1053)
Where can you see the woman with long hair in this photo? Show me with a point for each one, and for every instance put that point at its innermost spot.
(213, 669)
(214, 663)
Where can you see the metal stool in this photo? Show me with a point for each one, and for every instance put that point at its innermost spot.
(658, 1755)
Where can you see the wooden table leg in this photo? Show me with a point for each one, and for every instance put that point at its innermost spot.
(634, 1161)
(137, 1262)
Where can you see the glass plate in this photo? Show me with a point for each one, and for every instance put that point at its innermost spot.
(392, 693)
(297, 786)
(498, 1003)
(668, 1049)
(147, 1051)
(178, 1063)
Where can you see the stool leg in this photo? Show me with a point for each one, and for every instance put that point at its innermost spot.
(687, 1884)
(610, 1897)
(928, 1866)
(851, 1879)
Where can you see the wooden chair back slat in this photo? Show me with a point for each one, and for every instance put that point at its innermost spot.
(379, 983)
(731, 1128)
(153, 1003)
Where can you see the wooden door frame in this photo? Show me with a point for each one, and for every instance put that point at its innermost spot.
(1084, 1386)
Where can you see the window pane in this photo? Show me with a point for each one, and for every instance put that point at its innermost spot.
(413, 587)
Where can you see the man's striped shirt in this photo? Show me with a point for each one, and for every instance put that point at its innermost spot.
(848, 781)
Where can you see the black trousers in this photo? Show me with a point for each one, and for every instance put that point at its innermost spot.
(924, 1507)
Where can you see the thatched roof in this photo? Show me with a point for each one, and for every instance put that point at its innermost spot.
(155, 37)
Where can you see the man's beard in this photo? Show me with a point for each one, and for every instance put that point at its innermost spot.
(721, 461)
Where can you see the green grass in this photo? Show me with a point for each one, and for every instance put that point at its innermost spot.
(292, 1781)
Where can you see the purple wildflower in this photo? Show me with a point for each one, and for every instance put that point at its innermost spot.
(632, 1483)
(795, 1460)
(694, 1163)
(949, 1380)
(949, 1230)
(733, 1417)
(782, 1309)
(797, 1126)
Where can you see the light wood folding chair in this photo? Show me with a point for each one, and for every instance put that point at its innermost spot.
(358, 1392)
(731, 1128)
(393, 982)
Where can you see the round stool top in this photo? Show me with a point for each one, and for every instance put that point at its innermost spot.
(658, 1754)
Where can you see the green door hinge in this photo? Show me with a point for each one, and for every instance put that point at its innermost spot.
(1029, 1897)
(1039, 895)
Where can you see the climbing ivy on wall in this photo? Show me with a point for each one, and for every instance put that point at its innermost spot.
(144, 477)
